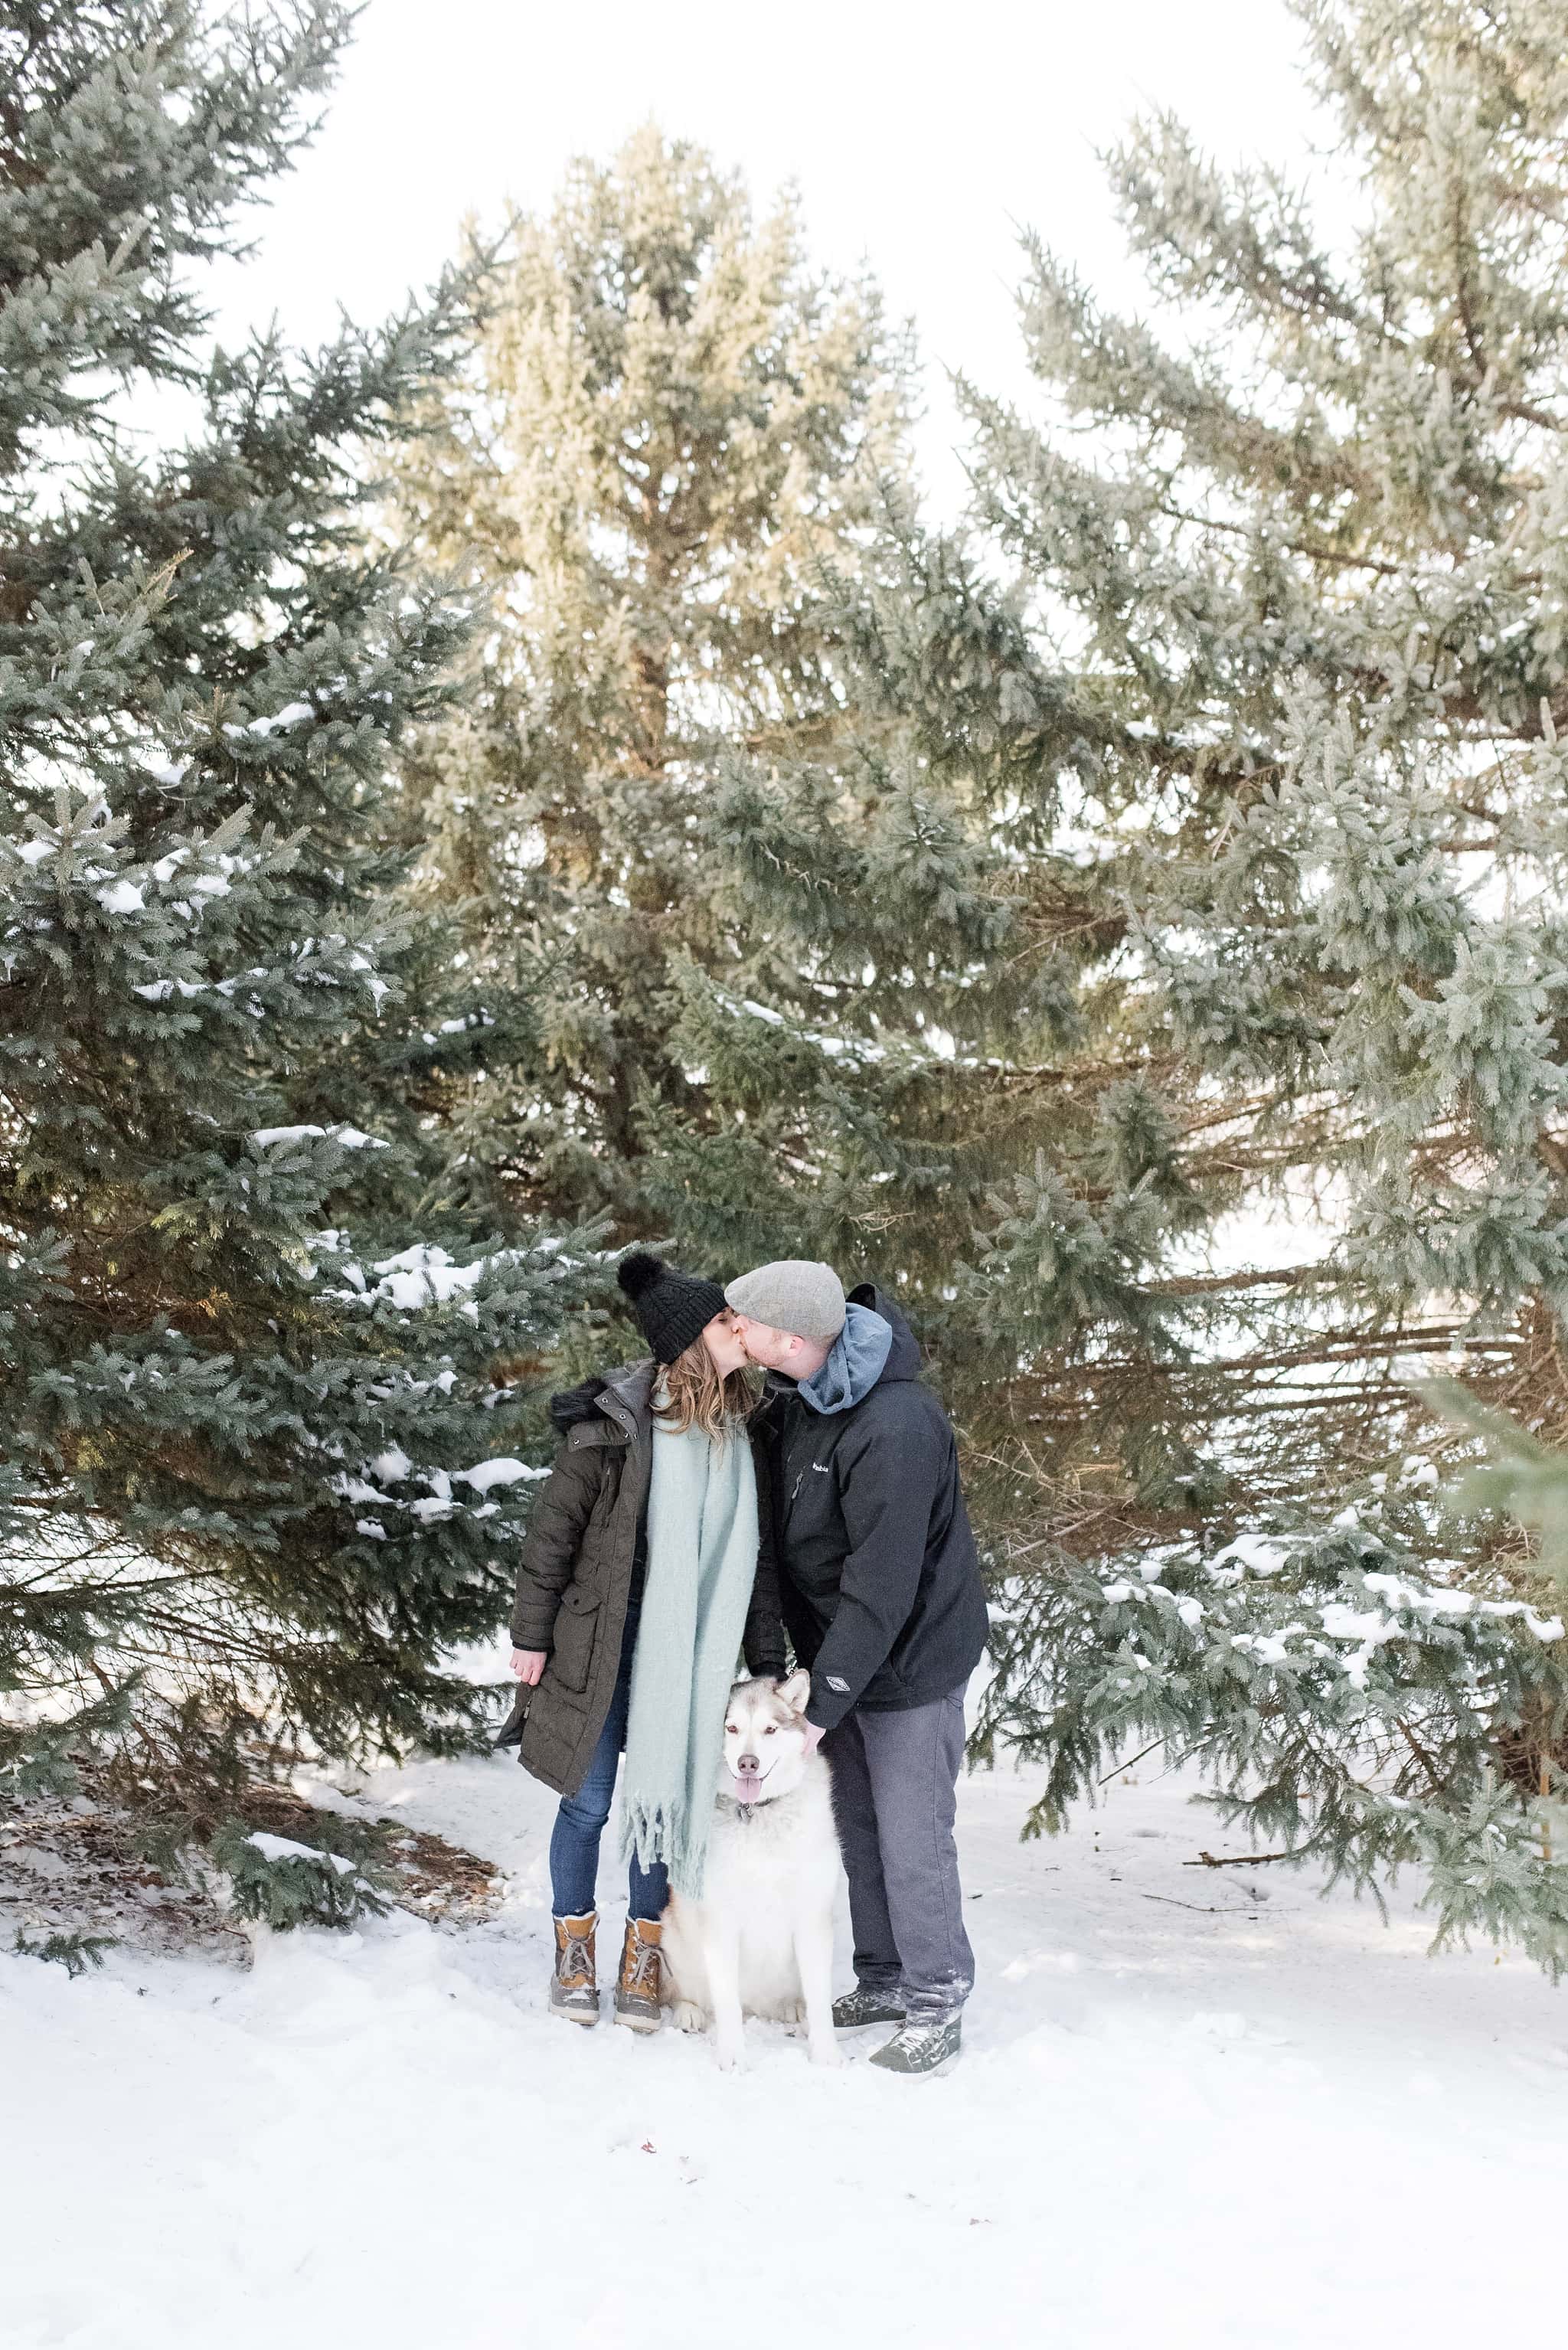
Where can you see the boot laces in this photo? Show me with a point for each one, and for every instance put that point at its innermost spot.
(920, 2038)
(576, 1964)
(640, 1972)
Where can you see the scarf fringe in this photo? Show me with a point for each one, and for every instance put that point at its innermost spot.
(660, 1832)
(653, 1833)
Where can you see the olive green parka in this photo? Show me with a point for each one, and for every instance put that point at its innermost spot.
(577, 1564)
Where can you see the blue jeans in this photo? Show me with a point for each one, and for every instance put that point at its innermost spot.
(574, 1840)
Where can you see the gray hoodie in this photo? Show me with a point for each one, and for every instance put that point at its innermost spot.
(855, 1362)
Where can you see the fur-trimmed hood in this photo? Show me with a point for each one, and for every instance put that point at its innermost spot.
(631, 1386)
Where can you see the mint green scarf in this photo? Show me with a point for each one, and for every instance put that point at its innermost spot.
(701, 1564)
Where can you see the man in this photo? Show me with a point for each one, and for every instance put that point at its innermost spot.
(883, 1598)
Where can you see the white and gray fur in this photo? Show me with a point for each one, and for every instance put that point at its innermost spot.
(760, 1941)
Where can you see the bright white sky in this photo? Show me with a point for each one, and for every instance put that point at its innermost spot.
(921, 138)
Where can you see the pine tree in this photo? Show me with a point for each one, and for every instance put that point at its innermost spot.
(665, 424)
(757, 961)
(250, 1347)
(1302, 536)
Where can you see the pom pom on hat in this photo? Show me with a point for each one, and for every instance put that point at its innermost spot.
(639, 1271)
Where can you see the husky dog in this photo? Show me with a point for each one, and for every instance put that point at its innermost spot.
(760, 1941)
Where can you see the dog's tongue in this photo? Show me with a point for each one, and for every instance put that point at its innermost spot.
(746, 1785)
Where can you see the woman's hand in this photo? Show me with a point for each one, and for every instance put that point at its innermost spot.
(528, 1664)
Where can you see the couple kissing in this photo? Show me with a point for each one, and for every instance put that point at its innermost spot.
(688, 1518)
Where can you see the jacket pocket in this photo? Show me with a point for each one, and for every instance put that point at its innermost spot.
(572, 1648)
(511, 1730)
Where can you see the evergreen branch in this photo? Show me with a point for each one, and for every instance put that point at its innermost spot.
(1336, 558)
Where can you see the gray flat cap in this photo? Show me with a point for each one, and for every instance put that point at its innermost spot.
(793, 1295)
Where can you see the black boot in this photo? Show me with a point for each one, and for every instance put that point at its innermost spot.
(867, 2003)
(926, 2045)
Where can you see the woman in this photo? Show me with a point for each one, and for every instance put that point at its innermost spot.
(643, 1570)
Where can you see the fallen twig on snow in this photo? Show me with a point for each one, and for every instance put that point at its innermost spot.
(1237, 1859)
(1201, 1909)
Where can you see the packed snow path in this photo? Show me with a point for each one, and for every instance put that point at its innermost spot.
(1197, 2106)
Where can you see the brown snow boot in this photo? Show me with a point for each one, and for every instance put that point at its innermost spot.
(574, 1988)
(641, 1975)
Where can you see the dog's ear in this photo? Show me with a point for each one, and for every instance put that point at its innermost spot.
(796, 1689)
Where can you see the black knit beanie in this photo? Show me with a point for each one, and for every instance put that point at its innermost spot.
(673, 1307)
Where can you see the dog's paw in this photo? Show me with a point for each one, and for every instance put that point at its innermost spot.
(792, 2011)
(731, 2060)
(687, 2016)
(825, 2051)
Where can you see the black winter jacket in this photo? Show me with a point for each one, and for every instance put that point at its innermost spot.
(580, 1561)
(877, 1573)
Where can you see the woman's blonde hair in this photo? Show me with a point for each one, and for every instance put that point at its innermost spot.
(696, 1397)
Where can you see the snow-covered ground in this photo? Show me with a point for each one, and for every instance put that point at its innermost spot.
(1196, 2107)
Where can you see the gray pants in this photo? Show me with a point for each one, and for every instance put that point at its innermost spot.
(894, 1781)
